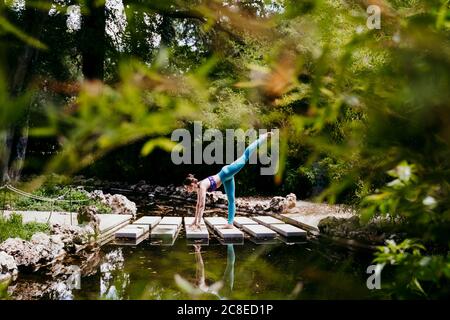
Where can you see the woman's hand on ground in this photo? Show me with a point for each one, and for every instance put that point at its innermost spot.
(194, 225)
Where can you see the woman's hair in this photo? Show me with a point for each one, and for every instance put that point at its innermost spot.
(189, 180)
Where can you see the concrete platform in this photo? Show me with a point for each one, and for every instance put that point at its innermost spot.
(201, 233)
(233, 233)
(264, 241)
(129, 242)
(151, 221)
(56, 217)
(189, 220)
(129, 233)
(144, 227)
(234, 241)
(259, 231)
(107, 221)
(309, 222)
(241, 221)
(164, 231)
(201, 242)
(287, 230)
(267, 220)
(171, 221)
(215, 221)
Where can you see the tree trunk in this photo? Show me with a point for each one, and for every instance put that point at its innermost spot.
(93, 41)
(15, 139)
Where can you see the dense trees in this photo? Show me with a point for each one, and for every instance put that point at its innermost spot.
(363, 113)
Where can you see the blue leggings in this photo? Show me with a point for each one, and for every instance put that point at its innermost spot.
(227, 173)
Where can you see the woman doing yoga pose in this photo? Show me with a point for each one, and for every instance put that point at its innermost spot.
(225, 177)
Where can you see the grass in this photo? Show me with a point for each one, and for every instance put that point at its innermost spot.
(18, 202)
(13, 227)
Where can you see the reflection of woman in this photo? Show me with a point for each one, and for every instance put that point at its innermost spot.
(200, 269)
(225, 177)
(228, 276)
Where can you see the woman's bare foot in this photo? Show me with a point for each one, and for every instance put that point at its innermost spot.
(228, 226)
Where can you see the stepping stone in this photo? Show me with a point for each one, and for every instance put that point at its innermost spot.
(129, 242)
(232, 241)
(264, 241)
(267, 220)
(152, 221)
(306, 222)
(241, 221)
(215, 221)
(201, 233)
(259, 231)
(164, 231)
(144, 227)
(292, 240)
(287, 230)
(130, 233)
(171, 221)
(233, 233)
(201, 242)
(189, 220)
(109, 222)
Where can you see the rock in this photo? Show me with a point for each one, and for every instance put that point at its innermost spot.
(118, 203)
(216, 197)
(121, 205)
(160, 190)
(48, 248)
(258, 207)
(20, 250)
(40, 251)
(281, 204)
(74, 237)
(253, 208)
(351, 228)
(8, 267)
(276, 204)
(87, 215)
(141, 186)
(291, 201)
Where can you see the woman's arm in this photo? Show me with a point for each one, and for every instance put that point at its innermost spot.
(201, 198)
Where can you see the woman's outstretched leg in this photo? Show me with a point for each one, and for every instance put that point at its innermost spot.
(229, 189)
(234, 167)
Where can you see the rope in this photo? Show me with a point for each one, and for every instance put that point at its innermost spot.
(32, 196)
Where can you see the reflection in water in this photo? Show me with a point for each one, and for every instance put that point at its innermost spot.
(113, 279)
(227, 282)
(311, 270)
(228, 275)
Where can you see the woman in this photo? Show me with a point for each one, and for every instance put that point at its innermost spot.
(225, 177)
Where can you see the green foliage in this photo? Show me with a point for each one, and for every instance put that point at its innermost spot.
(13, 227)
(54, 188)
(416, 274)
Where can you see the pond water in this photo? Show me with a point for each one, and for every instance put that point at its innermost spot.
(308, 269)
